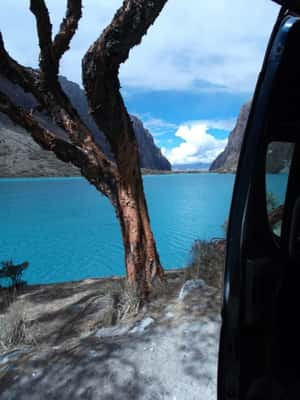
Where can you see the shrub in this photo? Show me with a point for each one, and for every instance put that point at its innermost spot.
(124, 304)
(14, 328)
(272, 202)
(129, 302)
(207, 262)
(13, 272)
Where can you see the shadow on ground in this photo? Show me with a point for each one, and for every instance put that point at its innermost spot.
(175, 358)
(95, 369)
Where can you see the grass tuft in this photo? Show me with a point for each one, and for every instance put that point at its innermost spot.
(207, 262)
(14, 327)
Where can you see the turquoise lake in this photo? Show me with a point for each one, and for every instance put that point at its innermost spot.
(68, 231)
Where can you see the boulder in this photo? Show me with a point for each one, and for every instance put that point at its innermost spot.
(189, 286)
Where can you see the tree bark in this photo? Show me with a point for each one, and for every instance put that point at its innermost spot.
(121, 181)
(141, 256)
(100, 68)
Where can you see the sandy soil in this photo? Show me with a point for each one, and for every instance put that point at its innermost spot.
(169, 351)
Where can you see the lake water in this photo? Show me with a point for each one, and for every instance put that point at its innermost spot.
(68, 231)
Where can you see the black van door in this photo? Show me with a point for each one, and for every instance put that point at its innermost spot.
(259, 353)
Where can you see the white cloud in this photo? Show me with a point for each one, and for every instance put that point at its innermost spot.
(198, 145)
(222, 124)
(199, 45)
(158, 126)
(205, 45)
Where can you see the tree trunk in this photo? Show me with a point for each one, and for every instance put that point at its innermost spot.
(141, 256)
(100, 73)
(120, 180)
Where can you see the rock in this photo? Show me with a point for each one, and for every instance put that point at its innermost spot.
(120, 330)
(142, 325)
(12, 355)
(150, 155)
(21, 156)
(112, 331)
(189, 286)
(169, 315)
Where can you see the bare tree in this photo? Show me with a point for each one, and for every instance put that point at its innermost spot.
(120, 180)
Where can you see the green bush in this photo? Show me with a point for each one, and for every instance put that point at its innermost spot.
(13, 272)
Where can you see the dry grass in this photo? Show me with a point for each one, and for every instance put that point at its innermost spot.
(14, 327)
(207, 263)
(128, 302)
(123, 304)
(54, 315)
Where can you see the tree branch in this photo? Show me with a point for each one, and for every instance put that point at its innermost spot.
(48, 62)
(100, 69)
(46, 139)
(51, 52)
(62, 112)
(67, 28)
(27, 78)
(2, 48)
(54, 100)
(125, 31)
(63, 150)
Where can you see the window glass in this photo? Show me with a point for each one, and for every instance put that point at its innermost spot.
(278, 162)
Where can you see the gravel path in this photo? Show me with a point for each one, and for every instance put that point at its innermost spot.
(176, 363)
(171, 355)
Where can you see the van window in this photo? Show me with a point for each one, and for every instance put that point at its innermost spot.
(278, 162)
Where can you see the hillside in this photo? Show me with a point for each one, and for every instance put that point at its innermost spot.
(228, 159)
(278, 157)
(21, 156)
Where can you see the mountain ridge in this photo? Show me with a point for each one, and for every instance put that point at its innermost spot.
(227, 160)
(21, 156)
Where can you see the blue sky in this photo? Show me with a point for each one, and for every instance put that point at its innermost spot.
(187, 80)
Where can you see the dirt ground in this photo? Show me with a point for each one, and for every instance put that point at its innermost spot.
(79, 349)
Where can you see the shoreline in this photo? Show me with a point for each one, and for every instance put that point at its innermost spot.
(169, 273)
(144, 173)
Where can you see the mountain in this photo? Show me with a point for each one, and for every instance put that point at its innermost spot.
(21, 156)
(151, 156)
(278, 156)
(228, 159)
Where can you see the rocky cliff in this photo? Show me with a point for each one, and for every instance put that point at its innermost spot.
(228, 159)
(279, 154)
(21, 156)
(150, 155)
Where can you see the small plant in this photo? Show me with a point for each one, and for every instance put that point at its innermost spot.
(14, 329)
(13, 272)
(272, 202)
(124, 304)
(207, 262)
(129, 303)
